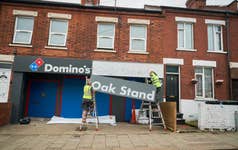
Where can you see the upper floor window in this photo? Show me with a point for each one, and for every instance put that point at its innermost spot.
(24, 25)
(214, 33)
(215, 37)
(204, 86)
(185, 39)
(105, 36)
(23, 30)
(58, 32)
(185, 35)
(138, 37)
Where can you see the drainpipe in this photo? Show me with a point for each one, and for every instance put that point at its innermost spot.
(228, 54)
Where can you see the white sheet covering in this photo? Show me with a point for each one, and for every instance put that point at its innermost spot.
(102, 119)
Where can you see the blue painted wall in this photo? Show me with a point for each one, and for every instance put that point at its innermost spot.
(102, 102)
(42, 101)
(72, 94)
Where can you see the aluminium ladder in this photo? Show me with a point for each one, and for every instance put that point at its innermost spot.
(92, 114)
(152, 110)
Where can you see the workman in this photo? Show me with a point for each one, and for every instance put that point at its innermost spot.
(154, 78)
(88, 103)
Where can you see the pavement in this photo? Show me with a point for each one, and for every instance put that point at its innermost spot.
(39, 136)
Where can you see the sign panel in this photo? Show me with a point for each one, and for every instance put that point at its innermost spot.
(123, 88)
(52, 65)
(5, 75)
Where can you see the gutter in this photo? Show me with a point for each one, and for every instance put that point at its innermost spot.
(228, 54)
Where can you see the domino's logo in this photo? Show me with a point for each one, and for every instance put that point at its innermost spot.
(36, 64)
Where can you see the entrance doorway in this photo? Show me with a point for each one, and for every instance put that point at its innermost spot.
(172, 85)
(118, 107)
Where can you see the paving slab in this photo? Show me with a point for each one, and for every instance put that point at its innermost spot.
(40, 136)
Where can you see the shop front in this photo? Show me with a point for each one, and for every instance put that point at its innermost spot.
(46, 87)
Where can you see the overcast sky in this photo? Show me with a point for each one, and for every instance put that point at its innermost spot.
(141, 3)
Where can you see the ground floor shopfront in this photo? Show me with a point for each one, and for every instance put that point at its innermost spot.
(44, 87)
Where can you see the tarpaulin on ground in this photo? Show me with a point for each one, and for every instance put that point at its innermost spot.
(109, 119)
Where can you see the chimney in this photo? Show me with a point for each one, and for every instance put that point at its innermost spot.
(196, 4)
(233, 6)
(90, 2)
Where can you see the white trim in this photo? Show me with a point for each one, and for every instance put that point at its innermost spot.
(104, 50)
(216, 51)
(25, 13)
(212, 21)
(138, 52)
(20, 45)
(9, 58)
(233, 64)
(106, 19)
(55, 47)
(59, 33)
(185, 19)
(138, 21)
(204, 63)
(184, 49)
(59, 16)
(173, 61)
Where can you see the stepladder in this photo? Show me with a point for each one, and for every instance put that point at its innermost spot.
(92, 116)
(153, 114)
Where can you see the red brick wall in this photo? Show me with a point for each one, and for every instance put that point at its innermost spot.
(81, 25)
(200, 43)
(161, 40)
(233, 6)
(234, 38)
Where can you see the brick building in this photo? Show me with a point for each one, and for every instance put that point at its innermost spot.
(192, 49)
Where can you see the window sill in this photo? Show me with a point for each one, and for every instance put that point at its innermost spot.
(204, 99)
(219, 52)
(55, 47)
(138, 52)
(20, 45)
(105, 50)
(184, 49)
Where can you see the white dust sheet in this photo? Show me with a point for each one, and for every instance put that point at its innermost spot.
(102, 120)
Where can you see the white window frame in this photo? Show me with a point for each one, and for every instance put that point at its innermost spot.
(134, 38)
(214, 38)
(58, 33)
(203, 84)
(28, 31)
(184, 36)
(112, 37)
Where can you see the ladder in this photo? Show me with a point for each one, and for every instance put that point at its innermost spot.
(92, 114)
(153, 111)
